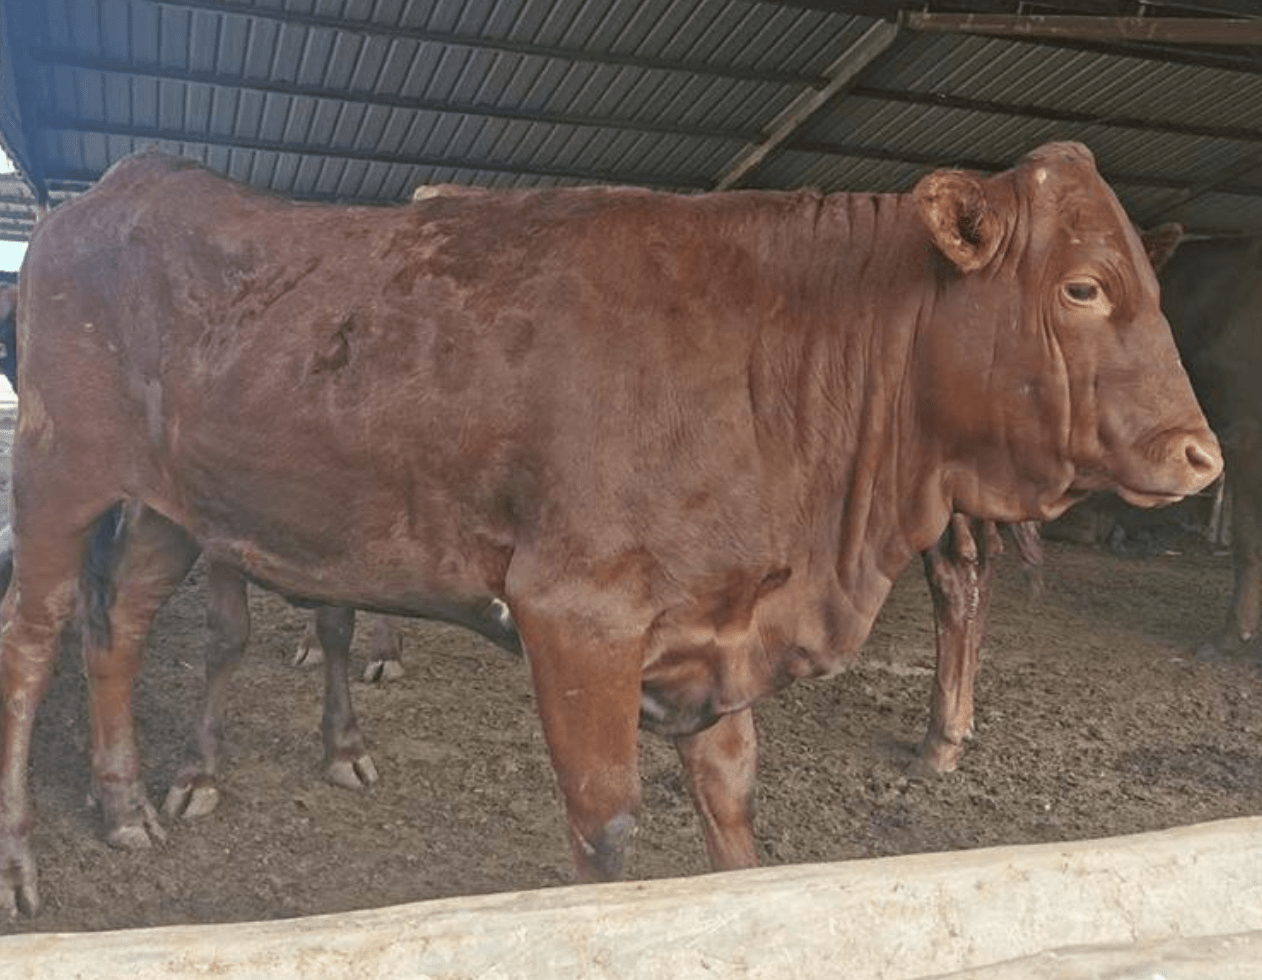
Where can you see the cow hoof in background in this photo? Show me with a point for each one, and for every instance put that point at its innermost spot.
(385, 661)
(352, 771)
(191, 796)
(383, 671)
(309, 652)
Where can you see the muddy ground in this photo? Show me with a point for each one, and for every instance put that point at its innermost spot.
(1093, 719)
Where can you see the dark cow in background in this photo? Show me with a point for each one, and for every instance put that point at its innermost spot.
(1212, 295)
(691, 441)
(8, 328)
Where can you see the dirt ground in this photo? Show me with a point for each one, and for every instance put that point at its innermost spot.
(1093, 719)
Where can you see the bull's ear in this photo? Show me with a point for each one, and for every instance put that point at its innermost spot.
(1160, 243)
(962, 223)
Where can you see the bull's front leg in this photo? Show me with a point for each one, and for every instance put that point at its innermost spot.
(721, 764)
(960, 572)
(587, 687)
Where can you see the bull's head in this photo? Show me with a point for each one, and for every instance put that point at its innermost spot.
(1064, 374)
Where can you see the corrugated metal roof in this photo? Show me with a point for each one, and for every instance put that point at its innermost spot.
(362, 100)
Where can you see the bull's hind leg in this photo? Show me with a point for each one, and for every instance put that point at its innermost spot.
(141, 569)
(721, 764)
(587, 687)
(40, 600)
(195, 792)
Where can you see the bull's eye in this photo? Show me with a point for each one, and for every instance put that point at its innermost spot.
(1082, 292)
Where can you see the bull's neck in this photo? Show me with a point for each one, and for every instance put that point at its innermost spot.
(869, 476)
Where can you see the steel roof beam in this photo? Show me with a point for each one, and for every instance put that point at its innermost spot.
(933, 99)
(887, 10)
(938, 100)
(347, 25)
(16, 20)
(1219, 58)
(870, 46)
(67, 59)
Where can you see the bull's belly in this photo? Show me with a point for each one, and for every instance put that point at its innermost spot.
(376, 586)
(341, 541)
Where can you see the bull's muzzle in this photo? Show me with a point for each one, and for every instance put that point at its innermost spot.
(1184, 463)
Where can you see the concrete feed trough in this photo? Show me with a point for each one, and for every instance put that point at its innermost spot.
(1182, 904)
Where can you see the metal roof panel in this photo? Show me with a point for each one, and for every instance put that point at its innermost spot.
(360, 98)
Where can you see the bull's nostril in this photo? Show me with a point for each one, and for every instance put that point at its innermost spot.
(1202, 459)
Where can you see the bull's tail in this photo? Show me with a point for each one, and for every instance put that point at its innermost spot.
(96, 577)
(1027, 535)
(6, 558)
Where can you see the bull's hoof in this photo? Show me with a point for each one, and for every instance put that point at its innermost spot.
(140, 829)
(1226, 644)
(357, 772)
(190, 799)
(308, 655)
(934, 759)
(1210, 652)
(924, 770)
(18, 890)
(382, 671)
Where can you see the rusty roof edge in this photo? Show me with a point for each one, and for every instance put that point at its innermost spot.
(1231, 32)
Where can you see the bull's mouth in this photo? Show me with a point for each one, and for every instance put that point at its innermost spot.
(1149, 498)
(1086, 485)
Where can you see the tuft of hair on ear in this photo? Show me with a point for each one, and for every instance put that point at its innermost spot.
(1160, 243)
(960, 219)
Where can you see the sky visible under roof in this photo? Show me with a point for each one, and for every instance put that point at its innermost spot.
(10, 252)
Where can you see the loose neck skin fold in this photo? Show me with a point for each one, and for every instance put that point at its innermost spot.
(852, 401)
